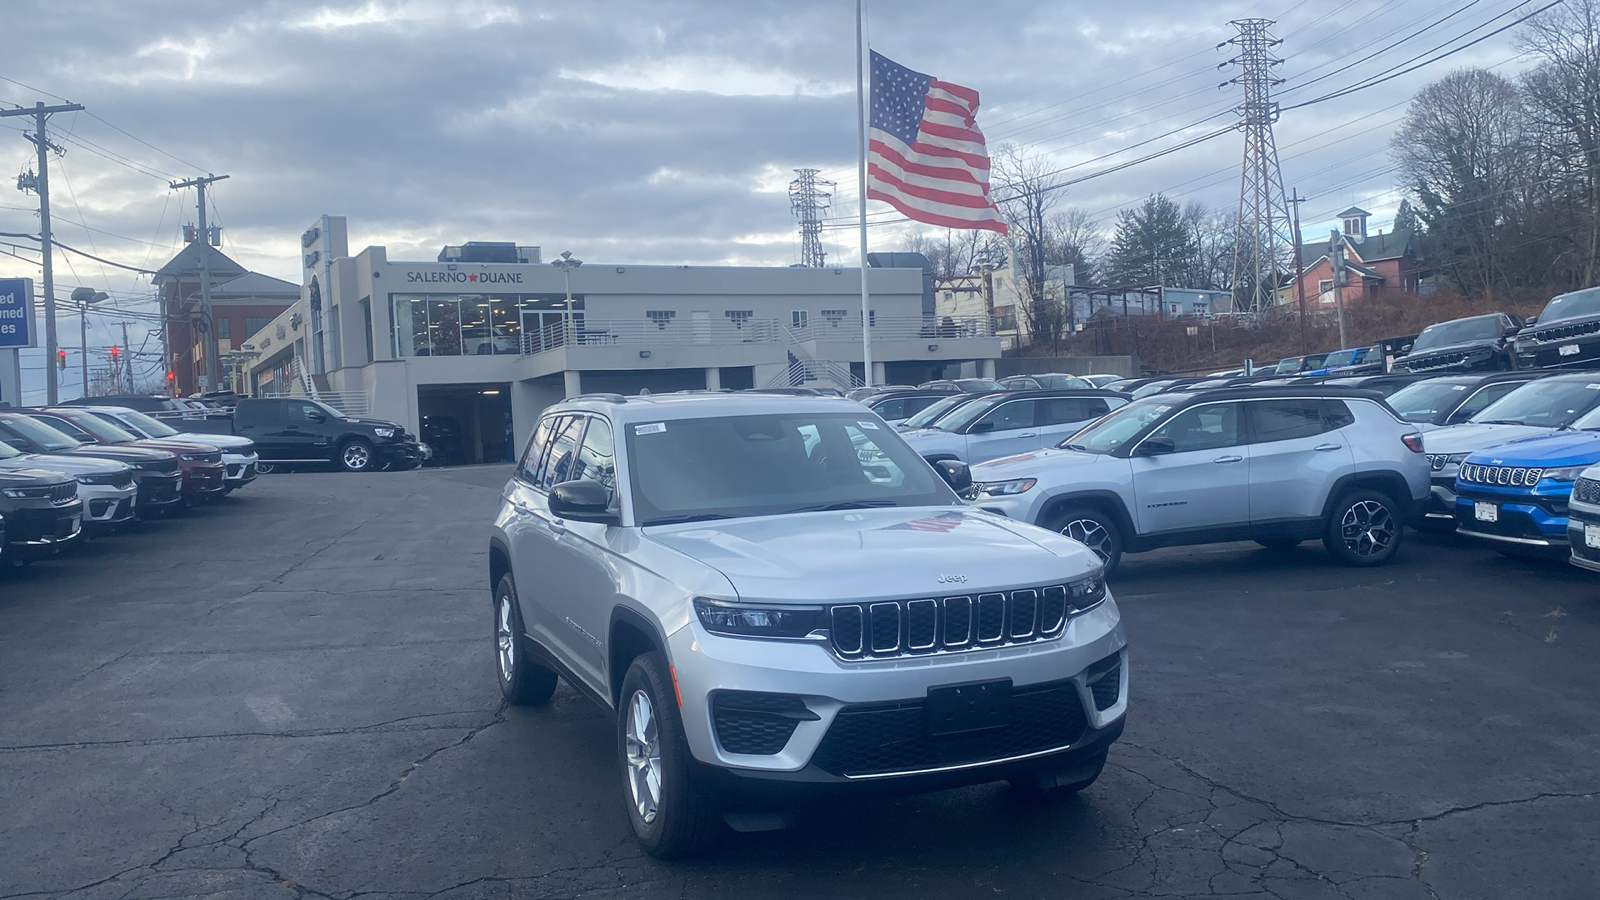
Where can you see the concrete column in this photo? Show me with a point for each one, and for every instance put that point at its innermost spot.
(985, 368)
(11, 377)
(879, 375)
(713, 378)
(574, 383)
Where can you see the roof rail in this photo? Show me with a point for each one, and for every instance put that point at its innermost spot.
(604, 397)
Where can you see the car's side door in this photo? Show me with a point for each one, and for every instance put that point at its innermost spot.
(579, 579)
(1193, 471)
(302, 430)
(1296, 454)
(1007, 429)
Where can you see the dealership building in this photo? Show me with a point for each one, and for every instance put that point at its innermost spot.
(467, 350)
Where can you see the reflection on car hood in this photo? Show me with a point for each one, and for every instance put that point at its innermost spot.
(1447, 348)
(876, 553)
(220, 441)
(1473, 436)
(72, 465)
(1549, 451)
(929, 440)
(1037, 463)
(375, 423)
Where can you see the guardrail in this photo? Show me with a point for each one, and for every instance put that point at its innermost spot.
(650, 333)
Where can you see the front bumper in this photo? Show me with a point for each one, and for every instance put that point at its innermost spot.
(37, 532)
(399, 452)
(107, 507)
(203, 481)
(239, 469)
(878, 707)
(1582, 351)
(1441, 500)
(158, 490)
(1521, 520)
(1583, 556)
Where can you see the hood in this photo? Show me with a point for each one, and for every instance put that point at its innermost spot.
(173, 445)
(1471, 437)
(71, 465)
(32, 477)
(127, 453)
(1548, 451)
(1023, 465)
(877, 554)
(375, 423)
(220, 441)
(1446, 350)
(928, 440)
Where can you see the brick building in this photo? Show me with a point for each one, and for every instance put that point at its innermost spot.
(1374, 265)
(242, 303)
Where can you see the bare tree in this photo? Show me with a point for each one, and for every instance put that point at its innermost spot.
(1075, 239)
(953, 252)
(1563, 94)
(1026, 194)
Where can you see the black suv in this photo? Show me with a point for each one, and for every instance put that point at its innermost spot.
(297, 430)
(1473, 344)
(42, 513)
(1565, 335)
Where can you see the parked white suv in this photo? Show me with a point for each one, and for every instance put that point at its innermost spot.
(1006, 424)
(779, 600)
(1277, 465)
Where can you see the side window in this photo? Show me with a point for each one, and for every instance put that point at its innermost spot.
(1286, 420)
(1060, 410)
(561, 460)
(1203, 428)
(1337, 414)
(1483, 398)
(597, 458)
(891, 409)
(300, 413)
(528, 469)
(1007, 416)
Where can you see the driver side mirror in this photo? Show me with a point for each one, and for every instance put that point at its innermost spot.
(1156, 445)
(316, 417)
(981, 428)
(955, 473)
(582, 501)
(1531, 320)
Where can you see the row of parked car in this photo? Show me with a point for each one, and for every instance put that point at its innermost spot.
(74, 471)
(1499, 457)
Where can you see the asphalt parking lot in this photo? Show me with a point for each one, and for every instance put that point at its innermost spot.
(293, 693)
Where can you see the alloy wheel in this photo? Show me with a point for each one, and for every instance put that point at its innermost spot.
(1368, 529)
(644, 757)
(356, 456)
(505, 637)
(1091, 534)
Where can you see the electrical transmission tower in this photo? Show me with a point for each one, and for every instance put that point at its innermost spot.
(809, 198)
(1263, 240)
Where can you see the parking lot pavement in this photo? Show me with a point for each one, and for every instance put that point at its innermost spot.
(292, 693)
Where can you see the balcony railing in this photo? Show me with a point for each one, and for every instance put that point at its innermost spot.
(651, 333)
(894, 328)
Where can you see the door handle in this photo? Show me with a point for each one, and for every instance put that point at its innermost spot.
(1028, 434)
(1324, 448)
(1228, 459)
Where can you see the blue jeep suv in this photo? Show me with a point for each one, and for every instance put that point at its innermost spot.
(1516, 494)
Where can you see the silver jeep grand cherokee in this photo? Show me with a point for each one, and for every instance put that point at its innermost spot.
(778, 599)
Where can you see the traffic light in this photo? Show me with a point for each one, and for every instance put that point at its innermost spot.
(61, 360)
(114, 354)
(172, 383)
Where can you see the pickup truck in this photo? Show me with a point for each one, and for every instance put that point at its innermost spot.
(298, 430)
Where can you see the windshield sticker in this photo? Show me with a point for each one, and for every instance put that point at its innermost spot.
(652, 428)
(870, 426)
(1593, 387)
(1458, 387)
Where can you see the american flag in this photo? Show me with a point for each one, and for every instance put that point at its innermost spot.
(928, 158)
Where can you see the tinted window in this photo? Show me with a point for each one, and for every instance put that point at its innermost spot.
(1006, 417)
(559, 460)
(298, 412)
(528, 469)
(1206, 427)
(39, 437)
(1337, 414)
(597, 458)
(1060, 410)
(1477, 402)
(892, 409)
(1019, 384)
(1422, 401)
(1546, 403)
(1286, 420)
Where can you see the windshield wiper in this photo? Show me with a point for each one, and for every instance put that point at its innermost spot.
(1078, 447)
(1500, 422)
(689, 517)
(844, 504)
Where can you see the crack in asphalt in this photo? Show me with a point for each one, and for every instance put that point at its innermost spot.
(392, 726)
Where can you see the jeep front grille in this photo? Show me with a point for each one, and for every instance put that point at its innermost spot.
(1442, 361)
(969, 622)
(64, 493)
(1563, 332)
(1586, 490)
(1504, 476)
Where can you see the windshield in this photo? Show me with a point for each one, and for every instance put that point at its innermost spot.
(1060, 382)
(734, 466)
(1154, 387)
(977, 385)
(966, 415)
(100, 428)
(40, 435)
(151, 426)
(1119, 427)
(1577, 303)
(931, 414)
(1288, 366)
(1422, 401)
(1545, 404)
(1461, 331)
(8, 452)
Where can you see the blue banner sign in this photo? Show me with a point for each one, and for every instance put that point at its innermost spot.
(16, 312)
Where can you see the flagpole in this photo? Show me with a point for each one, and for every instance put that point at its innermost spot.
(862, 129)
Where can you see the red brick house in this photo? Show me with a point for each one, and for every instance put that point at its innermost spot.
(1374, 265)
(242, 303)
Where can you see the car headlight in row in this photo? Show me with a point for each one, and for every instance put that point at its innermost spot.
(385, 432)
(1006, 488)
(26, 493)
(759, 621)
(1566, 473)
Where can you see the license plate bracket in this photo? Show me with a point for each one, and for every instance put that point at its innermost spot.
(1485, 512)
(1591, 536)
(1567, 350)
(976, 706)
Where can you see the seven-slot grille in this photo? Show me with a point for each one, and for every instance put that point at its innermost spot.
(1562, 332)
(975, 621)
(1506, 476)
(1442, 361)
(1438, 461)
(64, 493)
(1586, 490)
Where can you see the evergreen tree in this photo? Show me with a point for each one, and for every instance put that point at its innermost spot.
(1153, 245)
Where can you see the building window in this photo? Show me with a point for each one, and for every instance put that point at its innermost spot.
(253, 324)
(661, 317)
(1325, 286)
(1005, 318)
(835, 316)
(798, 318)
(739, 316)
(222, 329)
(366, 325)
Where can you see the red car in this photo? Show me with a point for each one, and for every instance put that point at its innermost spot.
(201, 464)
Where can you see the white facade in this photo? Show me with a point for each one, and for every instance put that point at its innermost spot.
(420, 339)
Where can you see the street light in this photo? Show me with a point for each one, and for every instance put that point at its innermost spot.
(566, 264)
(83, 297)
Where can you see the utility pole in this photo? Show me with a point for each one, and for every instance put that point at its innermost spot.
(809, 198)
(213, 364)
(1336, 259)
(127, 353)
(40, 139)
(1263, 208)
(1299, 269)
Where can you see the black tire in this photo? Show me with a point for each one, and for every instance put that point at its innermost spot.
(523, 682)
(1280, 543)
(1032, 784)
(1095, 530)
(264, 468)
(681, 818)
(355, 455)
(1364, 529)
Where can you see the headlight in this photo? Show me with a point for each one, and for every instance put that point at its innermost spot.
(1456, 459)
(1568, 473)
(1086, 592)
(761, 622)
(201, 457)
(1006, 488)
(26, 493)
(384, 432)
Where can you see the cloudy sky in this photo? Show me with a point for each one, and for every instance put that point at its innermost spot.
(643, 132)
